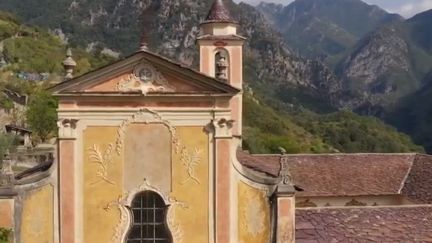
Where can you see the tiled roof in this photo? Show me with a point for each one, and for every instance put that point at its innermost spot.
(345, 225)
(418, 185)
(352, 174)
(219, 13)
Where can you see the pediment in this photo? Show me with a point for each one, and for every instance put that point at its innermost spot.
(144, 73)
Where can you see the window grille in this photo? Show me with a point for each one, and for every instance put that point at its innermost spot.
(149, 219)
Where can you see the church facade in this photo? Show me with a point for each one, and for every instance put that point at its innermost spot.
(150, 151)
(147, 150)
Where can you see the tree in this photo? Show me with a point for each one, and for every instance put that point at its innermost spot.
(4, 235)
(7, 142)
(42, 115)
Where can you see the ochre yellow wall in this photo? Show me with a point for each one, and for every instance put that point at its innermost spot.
(188, 216)
(253, 215)
(192, 218)
(101, 215)
(37, 223)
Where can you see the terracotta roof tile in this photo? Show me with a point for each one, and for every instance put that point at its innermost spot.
(386, 224)
(339, 174)
(418, 185)
(268, 164)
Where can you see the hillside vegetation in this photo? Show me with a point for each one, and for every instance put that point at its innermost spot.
(31, 60)
(269, 124)
(299, 130)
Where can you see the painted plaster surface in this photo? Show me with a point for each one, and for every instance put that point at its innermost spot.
(148, 156)
(191, 186)
(204, 60)
(253, 215)
(38, 216)
(67, 191)
(236, 74)
(196, 103)
(286, 224)
(237, 114)
(6, 213)
(109, 85)
(223, 180)
(103, 182)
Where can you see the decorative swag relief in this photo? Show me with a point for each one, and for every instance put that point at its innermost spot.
(104, 160)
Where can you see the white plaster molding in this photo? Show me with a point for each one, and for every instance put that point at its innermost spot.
(146, 79)
(222, 128)
(175, 118)
(67, 128)
(190, 162)
(104, 160)
(124, 202)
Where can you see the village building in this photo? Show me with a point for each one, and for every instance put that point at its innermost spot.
(150, 151)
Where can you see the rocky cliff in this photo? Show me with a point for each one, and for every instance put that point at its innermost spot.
(325, 28)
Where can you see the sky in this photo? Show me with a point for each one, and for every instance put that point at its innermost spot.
(406, 8)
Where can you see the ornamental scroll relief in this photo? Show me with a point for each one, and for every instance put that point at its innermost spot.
(145, 78)
(103, 158)
(125, 201)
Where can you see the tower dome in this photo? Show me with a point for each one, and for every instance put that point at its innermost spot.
(219, 13)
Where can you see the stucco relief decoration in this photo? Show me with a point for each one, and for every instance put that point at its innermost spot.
(104, 161)
(124, 202)
(104, 158)
(67, 128)
(222, 127)
(145, 116)
(253, 217)
(146, 79)
(190, 162)
(284, 171)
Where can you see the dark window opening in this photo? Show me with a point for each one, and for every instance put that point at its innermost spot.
(149, 219)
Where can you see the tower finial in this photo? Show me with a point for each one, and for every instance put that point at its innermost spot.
(143, 44)
(69, 64)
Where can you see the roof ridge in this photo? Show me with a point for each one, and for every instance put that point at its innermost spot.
(146, 54)
(366, 207)
(402, 186)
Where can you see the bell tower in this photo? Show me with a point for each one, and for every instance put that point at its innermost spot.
(221, 54)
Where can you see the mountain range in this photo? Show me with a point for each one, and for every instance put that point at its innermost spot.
(302, 91)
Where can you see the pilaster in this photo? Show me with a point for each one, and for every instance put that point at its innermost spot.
(284, 202)
(66, 144)
(223, 139)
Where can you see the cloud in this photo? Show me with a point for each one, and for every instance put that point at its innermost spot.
(410, 9)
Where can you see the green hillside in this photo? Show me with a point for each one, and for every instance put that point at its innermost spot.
(268, 124)
(308, 131)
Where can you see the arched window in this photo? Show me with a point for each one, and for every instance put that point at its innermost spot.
(149, 219)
